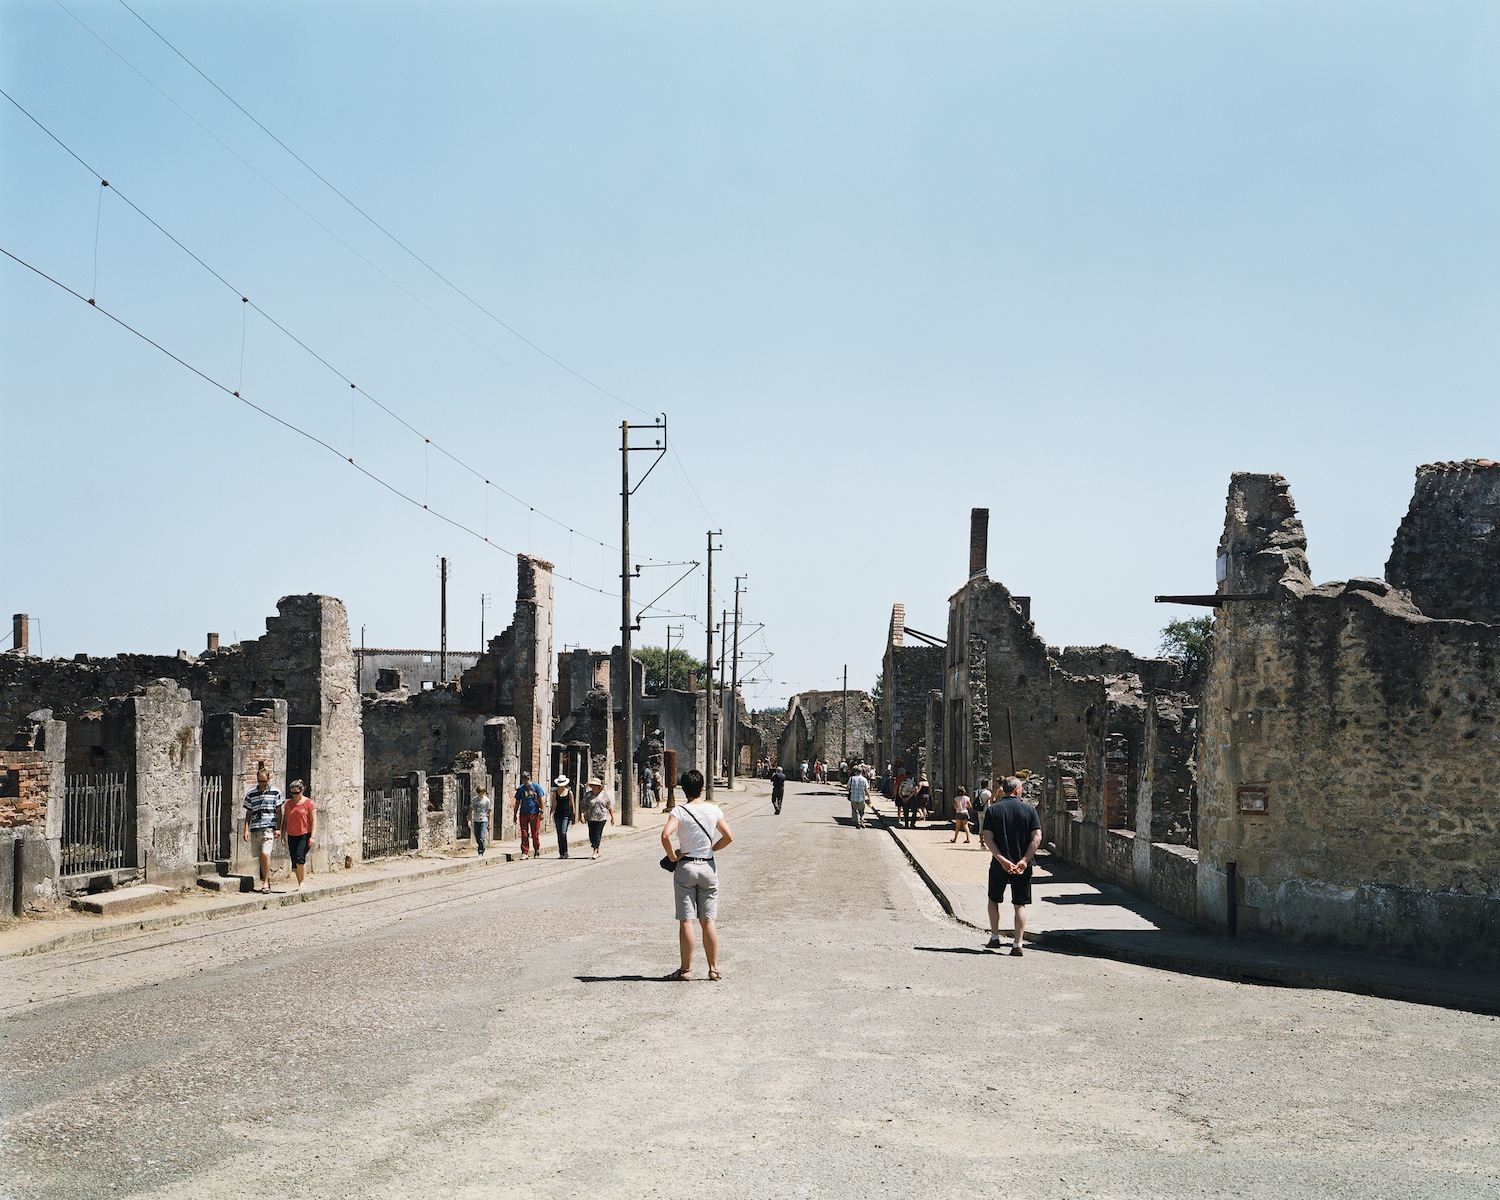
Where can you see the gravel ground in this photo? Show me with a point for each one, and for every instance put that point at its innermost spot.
(510, 1035)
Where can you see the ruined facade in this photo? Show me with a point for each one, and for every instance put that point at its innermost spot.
(155, 725)
(912, 673)
(1350, 742)
(820, 724)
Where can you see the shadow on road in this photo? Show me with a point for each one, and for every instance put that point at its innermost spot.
(950, 949)
(625, 979)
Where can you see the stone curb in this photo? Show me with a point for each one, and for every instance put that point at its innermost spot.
(257, 902)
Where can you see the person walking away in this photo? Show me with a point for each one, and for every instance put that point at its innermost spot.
(562, 812)
(298, 818)
(843, 770)
(981, 802)
(701, 832)
(905, 790)
(778, 789)
(1012, 832)
(804, 770)
(922, 799)
(527, 809)
(263, 813)
(859, 793)
(598, 807)
(960, 815)
(481, 808)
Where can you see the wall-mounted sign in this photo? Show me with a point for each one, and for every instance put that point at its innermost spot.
(1255, 798)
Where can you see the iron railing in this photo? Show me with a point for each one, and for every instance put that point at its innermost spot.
(390, 821)
(213, 821)
(98, 832)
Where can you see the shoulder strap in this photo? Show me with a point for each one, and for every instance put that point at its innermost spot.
(688, 808)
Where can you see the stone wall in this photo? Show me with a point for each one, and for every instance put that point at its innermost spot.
(911, 673)
(32, 782)
(513, 677)
(1349, 753)
(1447, 551)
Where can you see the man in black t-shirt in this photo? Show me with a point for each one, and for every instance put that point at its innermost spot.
(778, 787)
(1011, 832)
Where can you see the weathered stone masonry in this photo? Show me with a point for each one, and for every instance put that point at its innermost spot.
(1351, 748)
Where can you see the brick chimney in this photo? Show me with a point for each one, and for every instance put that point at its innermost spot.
(213, 642)
(979, 543)
(20, 634)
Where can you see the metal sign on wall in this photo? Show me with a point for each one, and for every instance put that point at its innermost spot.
(1253, 798)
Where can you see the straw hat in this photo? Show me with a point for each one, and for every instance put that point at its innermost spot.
(561, 781)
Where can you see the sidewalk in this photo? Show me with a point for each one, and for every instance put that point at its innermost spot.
(1073, 912)
(68, 928)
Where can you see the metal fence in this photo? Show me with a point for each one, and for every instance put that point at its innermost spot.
(213, 821)
(390, 821)
(98, 832)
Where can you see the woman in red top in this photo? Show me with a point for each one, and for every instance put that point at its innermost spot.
(300, 816)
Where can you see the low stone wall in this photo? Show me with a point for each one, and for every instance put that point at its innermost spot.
(1119, 854)
(1173, 881)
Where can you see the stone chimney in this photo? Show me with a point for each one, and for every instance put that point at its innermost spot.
(20, 625)
(213, 642)
(979, 543)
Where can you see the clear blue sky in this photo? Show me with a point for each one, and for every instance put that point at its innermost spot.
(878, 263)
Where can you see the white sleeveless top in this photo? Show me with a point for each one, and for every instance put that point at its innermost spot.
(691, 840)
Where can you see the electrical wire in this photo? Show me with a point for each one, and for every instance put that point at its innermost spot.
(342, 196)
(294, 428)
(247, 302)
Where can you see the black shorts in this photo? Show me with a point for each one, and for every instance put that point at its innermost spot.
(1020, 885)
(296, 846)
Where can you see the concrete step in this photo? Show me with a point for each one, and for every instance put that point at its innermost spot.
(227, 883)
(122, 900)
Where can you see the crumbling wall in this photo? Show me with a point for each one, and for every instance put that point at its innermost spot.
(683, 719)
(513, 677)
(32, 781)
(423, 732)
(159, 732)
(1447, 551)
(911, 673)
(1349, 754)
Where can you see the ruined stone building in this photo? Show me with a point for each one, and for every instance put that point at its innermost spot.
(909, 718)
(147, 755)
(428, 750)
(419, 670)
(1350, 749)
(821, 724)
(1077, 716)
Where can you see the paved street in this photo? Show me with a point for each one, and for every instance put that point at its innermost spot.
(507, 1033)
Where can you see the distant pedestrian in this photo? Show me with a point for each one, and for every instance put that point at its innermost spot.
(778, 789)
(905, 790)
(701, 831)
(804, 770)
(298, 819)
(923, 797)
(562, 812)
(843, 770)
(481, 809)
(263, 822)
(599, 808)
(961, 806)
(1012, 832)
(982, 799)
(527, 809)
(859, 793)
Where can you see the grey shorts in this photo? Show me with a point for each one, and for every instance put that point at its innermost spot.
(695, 885)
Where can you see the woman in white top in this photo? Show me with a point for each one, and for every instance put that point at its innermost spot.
(701, 830)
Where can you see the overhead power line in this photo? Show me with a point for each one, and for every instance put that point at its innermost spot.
(395, 416)
(297, 429)
(347, 200)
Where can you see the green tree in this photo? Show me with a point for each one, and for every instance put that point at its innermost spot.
(878, 691)
(1189, 640)
(655, 660)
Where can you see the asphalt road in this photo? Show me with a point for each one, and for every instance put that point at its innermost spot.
(510, 1035)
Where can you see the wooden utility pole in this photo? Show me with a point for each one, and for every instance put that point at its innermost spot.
(708, 698)
(443, 647)
(723, 672)
(844, 706)
(734, 690)
(627, 685)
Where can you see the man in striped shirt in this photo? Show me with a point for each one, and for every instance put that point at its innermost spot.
(263, 815)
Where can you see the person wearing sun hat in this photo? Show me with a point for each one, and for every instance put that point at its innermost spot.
(598, 807)
(562, 812)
